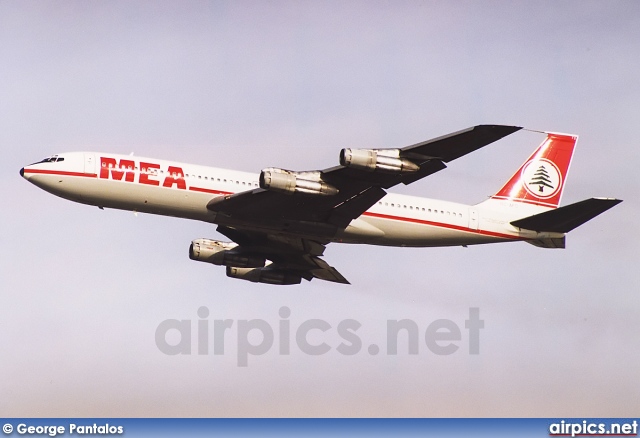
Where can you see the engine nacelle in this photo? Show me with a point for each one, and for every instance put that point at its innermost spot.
(381, 160)
(222, 254)
(264, 275)
(287, 181)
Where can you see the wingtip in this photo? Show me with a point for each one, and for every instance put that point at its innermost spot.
(501, 127)
(560, 134)
(498, 131)
(614, 201)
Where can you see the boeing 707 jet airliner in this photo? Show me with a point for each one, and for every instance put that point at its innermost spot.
(279, 221)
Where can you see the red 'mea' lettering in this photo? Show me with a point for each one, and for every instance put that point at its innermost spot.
(175, 175)
(110, 168)
(144, 174)
(117, 171)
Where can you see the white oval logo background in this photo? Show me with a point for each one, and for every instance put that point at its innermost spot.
(541, 178)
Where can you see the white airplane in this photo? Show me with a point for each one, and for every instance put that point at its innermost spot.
(280, 221)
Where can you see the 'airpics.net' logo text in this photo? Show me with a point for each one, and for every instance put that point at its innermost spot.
(254, 337)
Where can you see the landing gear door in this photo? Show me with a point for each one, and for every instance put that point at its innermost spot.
(89, 164)
(473, 219)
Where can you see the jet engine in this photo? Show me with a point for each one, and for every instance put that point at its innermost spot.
(381, 160)
(264, 275)
(287, 181)
(223, 254)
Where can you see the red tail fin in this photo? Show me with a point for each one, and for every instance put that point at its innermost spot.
(541, 178)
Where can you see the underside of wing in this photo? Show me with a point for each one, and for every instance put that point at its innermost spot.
(266, 257)
(291, 272)
(318, 203)
(296, 213)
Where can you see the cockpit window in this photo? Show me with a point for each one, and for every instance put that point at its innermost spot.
(51, 159)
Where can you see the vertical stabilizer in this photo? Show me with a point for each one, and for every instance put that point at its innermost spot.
(541, 179)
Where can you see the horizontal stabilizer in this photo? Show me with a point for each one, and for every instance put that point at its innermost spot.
(565, 219)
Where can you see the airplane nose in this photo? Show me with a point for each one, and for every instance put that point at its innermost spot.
(22, 172)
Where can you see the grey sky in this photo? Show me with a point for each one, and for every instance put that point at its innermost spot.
(247, 85)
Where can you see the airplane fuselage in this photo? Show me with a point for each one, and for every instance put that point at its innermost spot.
(184, 190)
